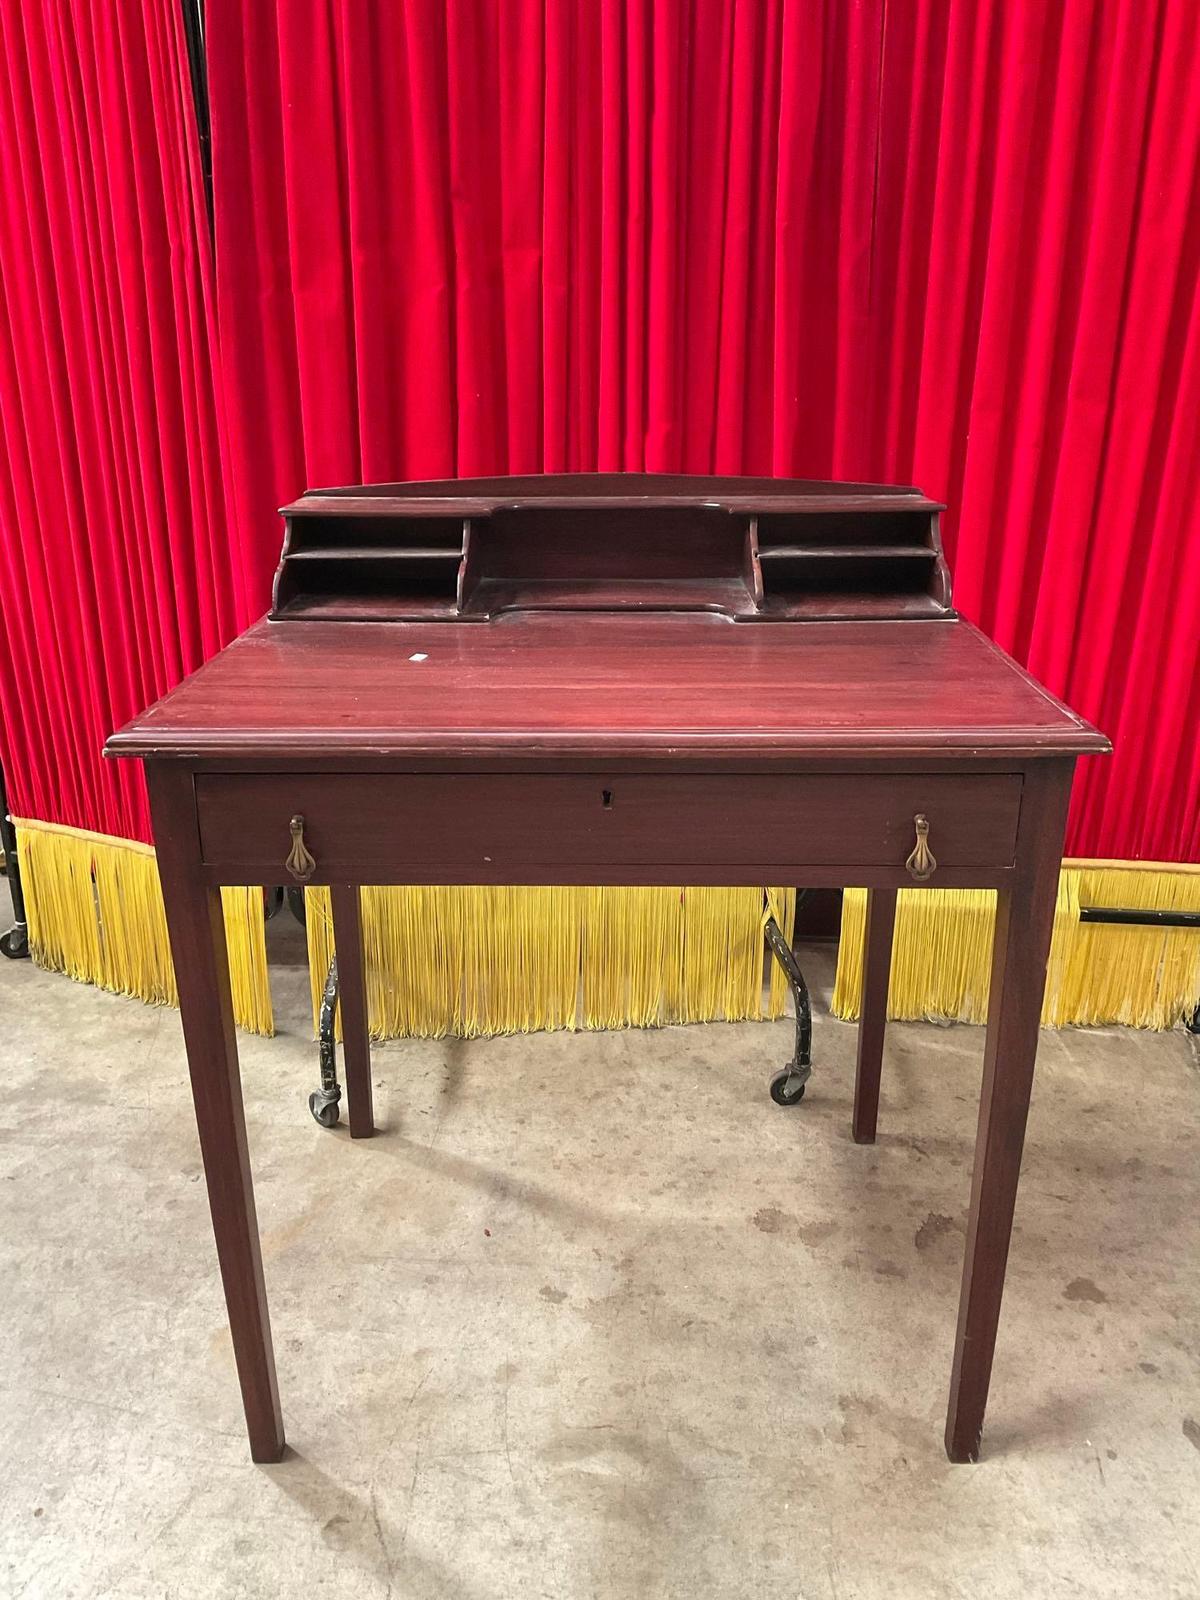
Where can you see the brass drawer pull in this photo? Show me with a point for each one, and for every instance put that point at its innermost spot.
(922, 863)
(300, 862)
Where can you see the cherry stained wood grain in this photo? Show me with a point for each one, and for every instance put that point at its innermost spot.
(196, 927)
(493, 597)
(561, 685)
(356, 721)
(352, 1001)
(520, 825)
(1020, 948)
(872, 1022)
(480, 496)
(602, 542)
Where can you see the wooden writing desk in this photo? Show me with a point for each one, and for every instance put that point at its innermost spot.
(613, 680)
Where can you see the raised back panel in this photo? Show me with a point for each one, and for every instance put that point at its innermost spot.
(747, 548)
(605, 542)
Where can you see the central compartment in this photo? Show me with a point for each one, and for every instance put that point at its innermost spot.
(606, 557)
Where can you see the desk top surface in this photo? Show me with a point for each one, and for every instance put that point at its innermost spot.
(544, 685)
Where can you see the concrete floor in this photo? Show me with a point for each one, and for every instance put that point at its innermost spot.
(592, 1317)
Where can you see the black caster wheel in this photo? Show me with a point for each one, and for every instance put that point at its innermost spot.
(785, 1089)
(15, 944)
(326, 1112)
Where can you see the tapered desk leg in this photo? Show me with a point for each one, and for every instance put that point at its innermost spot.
(352, 997)
(197, 931)
(1024, 924)
(872, 1022)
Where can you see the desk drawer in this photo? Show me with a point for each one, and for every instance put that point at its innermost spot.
(507, 825)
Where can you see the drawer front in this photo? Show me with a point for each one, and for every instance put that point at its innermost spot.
(512, 824)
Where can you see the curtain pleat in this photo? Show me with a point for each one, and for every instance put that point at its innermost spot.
(953, 242)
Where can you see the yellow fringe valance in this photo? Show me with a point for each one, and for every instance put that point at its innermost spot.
(95, 912)
(476, 961)
(1098, 973)
(488, 960)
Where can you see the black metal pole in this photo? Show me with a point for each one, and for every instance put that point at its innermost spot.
(15, 943)
(193, 33)
(1140, 919)
(1131, 918)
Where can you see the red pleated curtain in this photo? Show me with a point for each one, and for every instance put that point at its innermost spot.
(952, 243)
(116, 575)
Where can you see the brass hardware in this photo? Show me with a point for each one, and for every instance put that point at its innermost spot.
(922, 863)
(300, 862)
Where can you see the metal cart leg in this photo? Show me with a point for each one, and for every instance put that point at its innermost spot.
(323, 1102)
(15, 943)
(293, 898)
(787, 1087)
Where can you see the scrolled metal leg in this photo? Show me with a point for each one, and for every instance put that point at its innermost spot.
(787, 1087)
(323, 1102)
(15, 943)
